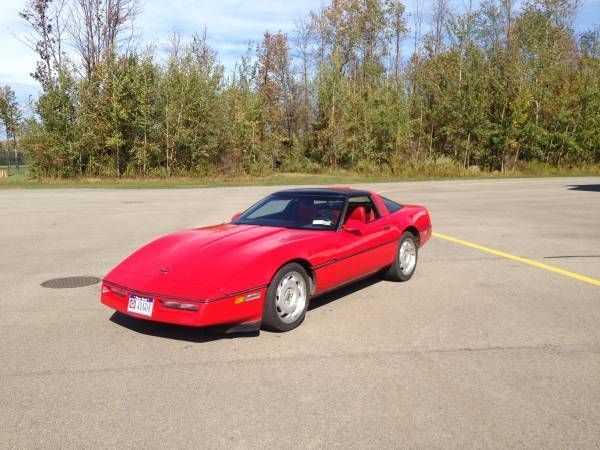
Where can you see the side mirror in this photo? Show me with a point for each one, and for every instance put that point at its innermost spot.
(236, 216)
(354, 226)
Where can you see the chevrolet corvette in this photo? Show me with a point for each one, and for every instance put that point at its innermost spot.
(262, 268)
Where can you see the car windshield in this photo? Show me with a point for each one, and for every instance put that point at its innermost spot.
(305, 212)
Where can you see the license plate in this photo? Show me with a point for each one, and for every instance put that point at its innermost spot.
(140, 305)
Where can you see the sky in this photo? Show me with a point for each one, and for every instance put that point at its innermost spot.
(231, 24)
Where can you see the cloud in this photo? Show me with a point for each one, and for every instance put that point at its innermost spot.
(17, 61)
(231, 24)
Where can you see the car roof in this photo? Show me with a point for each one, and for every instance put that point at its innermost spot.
(333, 191)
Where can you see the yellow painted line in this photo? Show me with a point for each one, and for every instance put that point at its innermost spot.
(502, 254)
(530, 262)
(391, 190)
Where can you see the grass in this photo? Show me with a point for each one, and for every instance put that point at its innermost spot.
(23, 180)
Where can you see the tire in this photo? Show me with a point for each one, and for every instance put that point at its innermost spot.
(287, 299)
(404, 267)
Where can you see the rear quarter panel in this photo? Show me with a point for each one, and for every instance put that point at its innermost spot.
(414, 216)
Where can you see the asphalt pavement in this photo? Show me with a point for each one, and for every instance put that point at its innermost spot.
(477, 350)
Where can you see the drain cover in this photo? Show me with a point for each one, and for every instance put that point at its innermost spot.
(70, 282)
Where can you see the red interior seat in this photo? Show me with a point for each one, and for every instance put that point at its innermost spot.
(359, 213)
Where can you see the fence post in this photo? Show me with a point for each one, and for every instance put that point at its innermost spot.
(8, 160)
(17, 157)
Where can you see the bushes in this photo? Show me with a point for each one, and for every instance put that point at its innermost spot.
(474, 98)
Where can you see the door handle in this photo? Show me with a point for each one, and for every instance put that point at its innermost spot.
(387, 227)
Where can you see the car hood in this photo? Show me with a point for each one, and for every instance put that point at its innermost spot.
(198, 263)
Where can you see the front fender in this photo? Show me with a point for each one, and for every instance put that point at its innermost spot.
(260, 271)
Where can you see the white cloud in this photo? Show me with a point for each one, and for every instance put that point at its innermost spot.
(16, 60)
(231, 24)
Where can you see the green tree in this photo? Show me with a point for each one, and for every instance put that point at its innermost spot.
(10, 118)
(496, 86)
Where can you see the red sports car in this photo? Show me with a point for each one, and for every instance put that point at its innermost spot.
(262, 268)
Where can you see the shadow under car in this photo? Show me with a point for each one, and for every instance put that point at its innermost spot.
(214, 333)
(584, 187)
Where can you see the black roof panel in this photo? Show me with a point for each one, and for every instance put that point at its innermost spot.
(328, 191)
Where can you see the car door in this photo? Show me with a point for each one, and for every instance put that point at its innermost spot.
(364, 251)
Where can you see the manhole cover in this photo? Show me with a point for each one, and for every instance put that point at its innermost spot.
(70, 282)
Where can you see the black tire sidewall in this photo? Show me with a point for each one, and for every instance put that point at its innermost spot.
(271, 320)
(394, 272)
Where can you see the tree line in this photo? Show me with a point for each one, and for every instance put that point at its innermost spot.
(490, 88)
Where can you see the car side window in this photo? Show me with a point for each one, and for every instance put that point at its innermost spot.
(371, 212)
(391, 205)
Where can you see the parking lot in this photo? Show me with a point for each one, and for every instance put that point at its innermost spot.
(477, 350)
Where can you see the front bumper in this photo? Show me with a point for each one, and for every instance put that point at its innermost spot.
(239, 308)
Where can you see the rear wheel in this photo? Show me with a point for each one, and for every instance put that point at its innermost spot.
(287, 299)
(405, 262)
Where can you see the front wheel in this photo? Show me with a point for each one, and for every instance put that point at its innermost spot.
(406, 259)
(287, 299)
